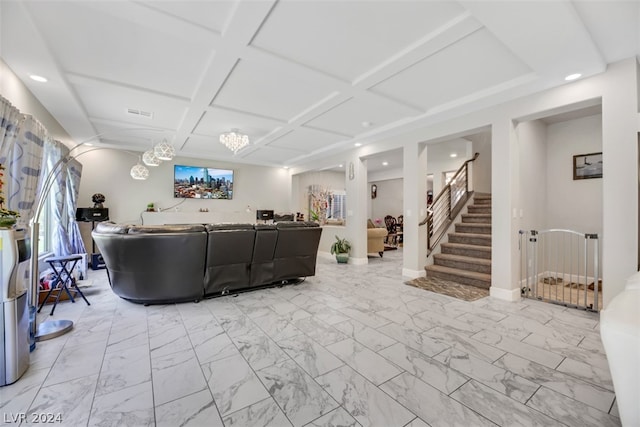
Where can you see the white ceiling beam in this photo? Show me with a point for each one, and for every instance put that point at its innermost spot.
(244, 22)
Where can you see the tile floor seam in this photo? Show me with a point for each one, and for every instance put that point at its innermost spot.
(153, 392)
(95, 390)
(254, 371)
(203, 375)
(550, 416)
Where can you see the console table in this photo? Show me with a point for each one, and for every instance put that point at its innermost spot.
(194, 217)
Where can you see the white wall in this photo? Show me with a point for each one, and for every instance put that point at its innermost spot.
(107, 172)
(390, 199)
(439, 161)
(481, 167)
(17, 93)
(575, 205)
(534, 175)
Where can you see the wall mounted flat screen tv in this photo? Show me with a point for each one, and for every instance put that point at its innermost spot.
(197, 182)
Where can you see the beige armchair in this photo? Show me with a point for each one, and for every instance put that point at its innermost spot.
(375, 238)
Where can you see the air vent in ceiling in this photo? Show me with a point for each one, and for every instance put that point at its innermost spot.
(139, 113)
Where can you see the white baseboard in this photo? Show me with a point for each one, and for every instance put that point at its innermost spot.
(413, 274)
(505, 294)
(352, 260)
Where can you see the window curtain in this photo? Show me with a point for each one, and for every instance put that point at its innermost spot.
(54, 151)
(23, 165)
(76, 245)
(10, 119)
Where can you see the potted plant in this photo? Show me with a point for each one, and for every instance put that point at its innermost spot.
(151, 207)
(341, 248)
(7, 216)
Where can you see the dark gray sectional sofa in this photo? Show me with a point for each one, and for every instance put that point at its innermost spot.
(176, 263)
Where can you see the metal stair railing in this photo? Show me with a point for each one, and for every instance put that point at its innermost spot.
(446, 206)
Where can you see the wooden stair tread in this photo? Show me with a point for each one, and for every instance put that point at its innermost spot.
(463, 258)
(471, 235)
(474, 224)
(467, 246)
(463, 273)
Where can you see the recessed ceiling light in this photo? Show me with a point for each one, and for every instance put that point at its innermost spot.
(358, 144)
(573, 77)
(340, 166)
(452, 155)
(38, 78)
(385, 163)
(89, 144)
(366, 124)
(285, 167)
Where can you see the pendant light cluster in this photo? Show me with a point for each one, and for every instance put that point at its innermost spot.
(153, 157)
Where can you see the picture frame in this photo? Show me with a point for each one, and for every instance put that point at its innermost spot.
(374, 191)
(587, 166)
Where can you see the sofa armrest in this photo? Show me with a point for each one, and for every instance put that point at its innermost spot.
(376, 232)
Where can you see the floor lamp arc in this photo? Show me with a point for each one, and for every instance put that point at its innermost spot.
(54, 328)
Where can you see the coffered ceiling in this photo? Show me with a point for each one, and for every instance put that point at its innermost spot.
(303, 78)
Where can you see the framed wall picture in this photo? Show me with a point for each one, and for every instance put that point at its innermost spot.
(586, 166)
(374, 191)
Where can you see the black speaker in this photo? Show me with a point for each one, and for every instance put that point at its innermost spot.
(265, 215)
(97, 262)
(92, 214)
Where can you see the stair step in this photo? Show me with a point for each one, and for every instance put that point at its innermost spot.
(466, 250)
(482, 195)
(479, 265)
(479, 209)
(470, 238)
(476, 218)
(473, 228)
(479, 199)
(480, 280)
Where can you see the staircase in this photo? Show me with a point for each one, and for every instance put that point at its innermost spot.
(466, 258)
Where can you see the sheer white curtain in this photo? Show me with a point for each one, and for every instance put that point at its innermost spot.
(10, 119)
(76, 245)
(23, 169)
(54, 152)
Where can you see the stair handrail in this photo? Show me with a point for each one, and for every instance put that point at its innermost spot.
(447, 205)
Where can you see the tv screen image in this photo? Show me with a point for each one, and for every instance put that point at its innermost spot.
(197, 182)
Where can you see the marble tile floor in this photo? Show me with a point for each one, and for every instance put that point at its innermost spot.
(352, 346)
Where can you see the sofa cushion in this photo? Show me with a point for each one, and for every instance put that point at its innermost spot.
(213, 227)
(177, 228)
(296, 224)
(111, 228)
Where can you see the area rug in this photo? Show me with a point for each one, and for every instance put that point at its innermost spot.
(452, 289)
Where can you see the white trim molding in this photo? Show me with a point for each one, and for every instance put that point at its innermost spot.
(505, 294)
(413, 274)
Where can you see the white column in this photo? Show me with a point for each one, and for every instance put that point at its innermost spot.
(504, 184)
(357, 194)
(415, 204)
(620, 178)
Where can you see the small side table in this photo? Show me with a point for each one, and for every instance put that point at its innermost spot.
(62, 267)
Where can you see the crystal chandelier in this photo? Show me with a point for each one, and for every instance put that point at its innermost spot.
(234, 140)
(164, 150)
